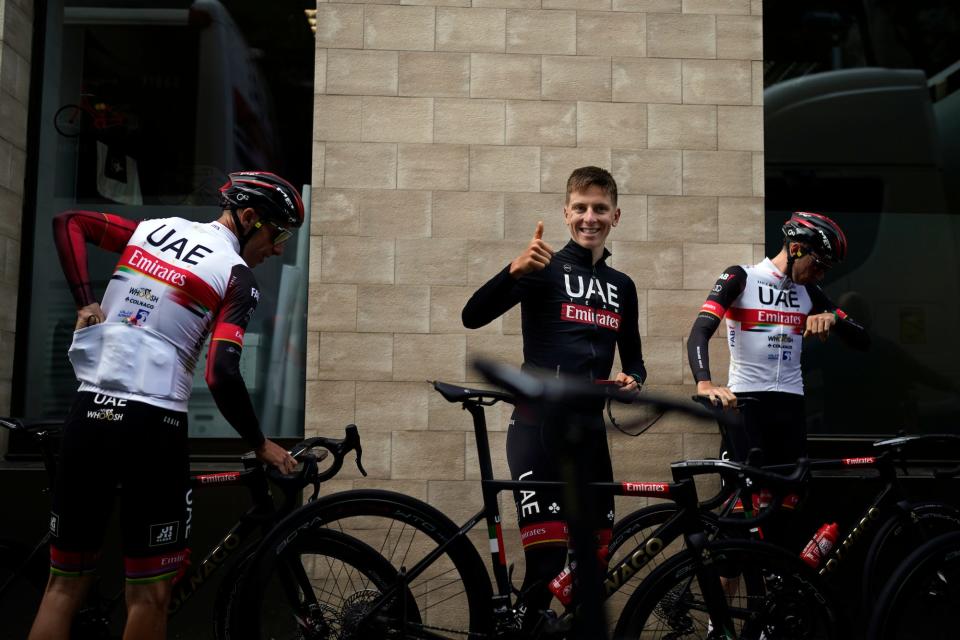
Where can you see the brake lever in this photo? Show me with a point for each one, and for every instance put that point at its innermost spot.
(359, 465)
(316, 488)
(352, 441)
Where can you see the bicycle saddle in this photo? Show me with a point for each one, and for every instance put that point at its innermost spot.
(459, 393)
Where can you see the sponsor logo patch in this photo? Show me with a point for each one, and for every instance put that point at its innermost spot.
(585, 315)
(646, 488)
(164, 533)
(107, 415)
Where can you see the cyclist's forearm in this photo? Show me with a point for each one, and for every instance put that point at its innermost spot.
(230, 392)
(698, 345)
(233, 400)
(490, 301)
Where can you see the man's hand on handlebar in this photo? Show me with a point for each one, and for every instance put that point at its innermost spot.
(627, 382)
(717, 395)
(273, 454)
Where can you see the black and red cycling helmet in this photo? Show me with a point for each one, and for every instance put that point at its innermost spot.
(274, 199)
(820, 234)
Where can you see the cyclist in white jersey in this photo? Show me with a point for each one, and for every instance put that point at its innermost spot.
(770, 308)
(134, 354)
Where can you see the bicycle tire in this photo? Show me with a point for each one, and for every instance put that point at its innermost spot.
(20, 598)
(778, 597)
(922, 596)
(899, 537)
(71, 121)
(452, 597)
(227, 594)
(344, 577)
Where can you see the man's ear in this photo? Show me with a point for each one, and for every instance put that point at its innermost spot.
(247, 217)
(796, 250)
(616, 216)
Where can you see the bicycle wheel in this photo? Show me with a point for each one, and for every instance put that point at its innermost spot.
(776, 596)
(21, 588)
(321, 586)
(451, 598)
(922, 596)
(71, 120)
(898, 538)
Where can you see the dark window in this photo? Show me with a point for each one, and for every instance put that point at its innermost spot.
(144, 109)
(862, 122)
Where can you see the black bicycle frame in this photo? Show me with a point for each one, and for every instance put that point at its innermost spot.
(882, 507)
(261, 515)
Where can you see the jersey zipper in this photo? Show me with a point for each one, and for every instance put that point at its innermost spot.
(593, 350)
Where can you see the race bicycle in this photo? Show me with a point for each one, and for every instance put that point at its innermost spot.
(24, 569)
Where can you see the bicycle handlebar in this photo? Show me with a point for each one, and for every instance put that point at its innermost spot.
(338, 447)
(742, 474)
(745, 478)
(554, 391)
(309, 472)
(31, 425)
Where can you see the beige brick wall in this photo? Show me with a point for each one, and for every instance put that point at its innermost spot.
(16, 28)
(443, 133)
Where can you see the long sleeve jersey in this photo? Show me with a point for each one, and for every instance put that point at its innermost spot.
(766, 315)
(574, 315)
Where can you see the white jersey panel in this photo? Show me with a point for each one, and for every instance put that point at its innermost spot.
(765, 332)
(160, 305)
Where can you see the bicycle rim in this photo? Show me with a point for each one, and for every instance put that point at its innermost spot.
(323, 587)
(773, 597)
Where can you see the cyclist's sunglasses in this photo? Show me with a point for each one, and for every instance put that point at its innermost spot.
(279, 235)
(822, 263)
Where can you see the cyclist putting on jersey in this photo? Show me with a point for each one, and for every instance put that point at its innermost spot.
(770, 308)
(576, 310)
(176, 283)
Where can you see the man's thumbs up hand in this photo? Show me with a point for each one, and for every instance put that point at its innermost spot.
(536, 256)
